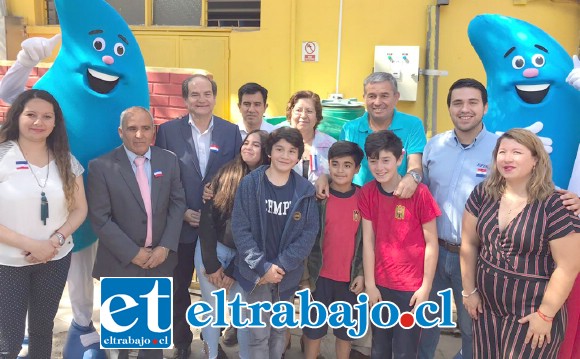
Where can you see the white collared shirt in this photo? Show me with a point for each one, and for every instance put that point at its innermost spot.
(265, 126)
(202, 143)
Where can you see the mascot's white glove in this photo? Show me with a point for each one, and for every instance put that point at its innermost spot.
(36, 49)
(536, 128)
(574, 76)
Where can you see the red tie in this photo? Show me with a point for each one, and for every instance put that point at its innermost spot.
(146, 194)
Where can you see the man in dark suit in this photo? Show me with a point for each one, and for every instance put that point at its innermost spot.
(203, 143)
(136, 206)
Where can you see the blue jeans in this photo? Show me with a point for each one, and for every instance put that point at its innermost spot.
(212, 335)
(243, 333)
(448, 275)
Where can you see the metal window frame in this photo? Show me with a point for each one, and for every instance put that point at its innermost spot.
(209, 17)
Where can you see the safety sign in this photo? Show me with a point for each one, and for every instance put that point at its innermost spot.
(309, 51)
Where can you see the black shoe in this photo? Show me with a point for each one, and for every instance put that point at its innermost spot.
(183, 353)
(230, 337)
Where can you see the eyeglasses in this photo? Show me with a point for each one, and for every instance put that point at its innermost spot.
(299, 110)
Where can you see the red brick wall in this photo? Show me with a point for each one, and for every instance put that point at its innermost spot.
(165, 95)
(164, 92)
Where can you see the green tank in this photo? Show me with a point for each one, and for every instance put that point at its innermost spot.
(275, 120)
(335, 113)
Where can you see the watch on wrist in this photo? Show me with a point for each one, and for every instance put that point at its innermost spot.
(60, 237)
(416, 176)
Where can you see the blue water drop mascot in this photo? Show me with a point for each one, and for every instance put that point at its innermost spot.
(526, 80)
(98, 73)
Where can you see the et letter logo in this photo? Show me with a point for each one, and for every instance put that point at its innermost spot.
(136, 313)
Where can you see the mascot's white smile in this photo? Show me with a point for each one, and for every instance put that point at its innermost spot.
(101, 82)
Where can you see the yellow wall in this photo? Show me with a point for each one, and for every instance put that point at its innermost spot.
(271, 55)
(31, 10)
(207, 50)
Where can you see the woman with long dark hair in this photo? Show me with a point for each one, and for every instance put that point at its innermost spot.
(42, 202)
(216, 249)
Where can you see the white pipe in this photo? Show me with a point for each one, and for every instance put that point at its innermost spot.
(339, 46)
(292, 46)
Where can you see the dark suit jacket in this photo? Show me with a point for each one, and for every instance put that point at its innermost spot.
(176, 136)
(117, 212)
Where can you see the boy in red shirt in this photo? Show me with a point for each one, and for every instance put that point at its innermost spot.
(335, 263)
(400, 246)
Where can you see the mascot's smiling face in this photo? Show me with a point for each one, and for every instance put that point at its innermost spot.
(98, 47)
(99, 77)
(534, 85)
(524, 62)
(526, 71)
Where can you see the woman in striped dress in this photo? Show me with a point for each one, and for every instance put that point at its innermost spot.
(519, 254)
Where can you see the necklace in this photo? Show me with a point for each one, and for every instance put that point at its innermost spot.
(517, 206)
(43, 200)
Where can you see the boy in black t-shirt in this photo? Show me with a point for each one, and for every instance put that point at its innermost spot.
(274, 223)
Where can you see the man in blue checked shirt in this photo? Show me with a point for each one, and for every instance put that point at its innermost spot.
(454, 162)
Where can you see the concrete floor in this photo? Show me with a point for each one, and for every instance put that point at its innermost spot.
(448, 344)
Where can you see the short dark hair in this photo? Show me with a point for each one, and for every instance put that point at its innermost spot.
(384, 140)
(290, 134)
(341, 149)
(185, 85)
(251, 88)
(467, 82)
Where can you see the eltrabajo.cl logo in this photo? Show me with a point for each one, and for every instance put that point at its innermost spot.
(136, 313)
